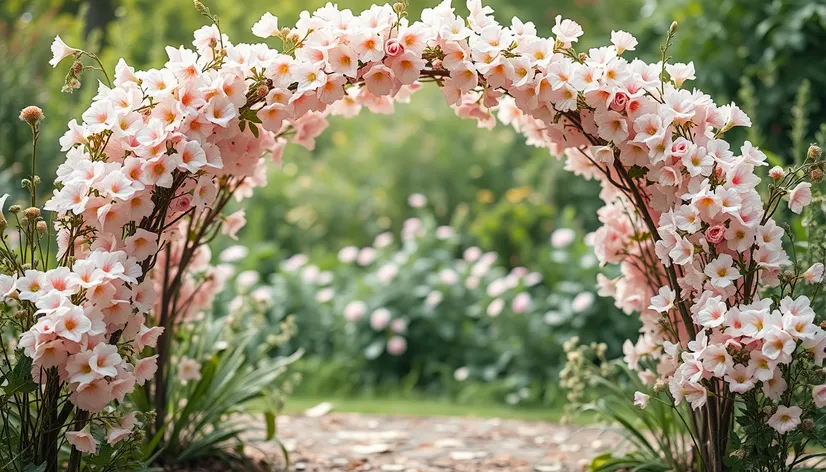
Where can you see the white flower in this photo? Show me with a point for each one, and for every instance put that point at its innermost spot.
(189, 369)
(722, 271)
(233, 253)
(495, 307)
(786, 419)
(623, 41)
(247, 279)
(348, 254)
(325, 295)
(433, 299)
(641, 400)
(265, 27)
(582, 302)
(679, 73)
(60, 51)
(472, 253)
(366, 256)
(663, 301)
(562, 237)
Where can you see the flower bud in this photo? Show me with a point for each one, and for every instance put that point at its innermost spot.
(284, 33)
(398, 7)
(777, 173)
(31, 115)
(817, 174)
(814, 152)
(262, 91)
(32, 212)
(672, 29)
(660, 386)
(41, 227)
(77, 67)
(807, 425)
(200, 7)
(14, 209)
(3, 224)
(212, 43)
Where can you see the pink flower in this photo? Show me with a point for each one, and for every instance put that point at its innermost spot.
(233, 223)
(379, 80)
(582, 302)
(785, 419)
(813, 275)
(398, 326)
(396, 346)
(800, 197)
(521, 303)
(94, 396)
(715, 234)
(355, 310)
(379, 319)
(83, 440)
(118, 433)
(819, 395)
(145, 369)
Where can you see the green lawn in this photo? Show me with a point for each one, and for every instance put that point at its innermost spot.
(422, 407)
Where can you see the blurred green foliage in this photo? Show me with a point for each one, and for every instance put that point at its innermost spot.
(469, 324)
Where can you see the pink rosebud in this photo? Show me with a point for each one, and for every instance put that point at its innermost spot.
(619, 101)
(393, 47)
(181, 203)
(715, 234)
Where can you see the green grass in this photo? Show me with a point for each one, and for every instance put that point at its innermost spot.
(422, 407)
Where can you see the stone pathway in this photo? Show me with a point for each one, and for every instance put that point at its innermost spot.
(354, 442)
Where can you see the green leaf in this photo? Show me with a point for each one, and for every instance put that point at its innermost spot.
(34, 468)
(637, 172)
(254, 129)
(20, 378)
(269, 417)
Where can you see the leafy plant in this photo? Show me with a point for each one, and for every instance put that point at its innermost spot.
(209, 405)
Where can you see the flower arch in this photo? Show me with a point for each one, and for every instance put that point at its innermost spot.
(160, 153)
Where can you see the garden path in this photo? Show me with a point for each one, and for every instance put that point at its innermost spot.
(356, 442)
